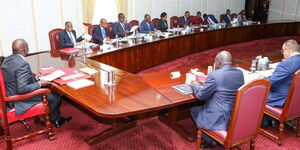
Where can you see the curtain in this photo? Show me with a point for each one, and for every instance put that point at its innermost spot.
(88, 7)
(122, 6)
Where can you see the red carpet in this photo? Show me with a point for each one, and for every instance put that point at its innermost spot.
(150, 134)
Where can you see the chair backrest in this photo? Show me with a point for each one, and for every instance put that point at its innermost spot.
(134, 23)
(54, 39)
(90, 30)
(154, 22)
(2, 95)
(110, 31)
(291, 107)
(248, 110)
(174, 22)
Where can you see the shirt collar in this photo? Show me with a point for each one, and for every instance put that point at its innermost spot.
(22, 56)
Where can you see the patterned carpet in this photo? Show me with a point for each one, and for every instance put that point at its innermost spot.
(149, 134)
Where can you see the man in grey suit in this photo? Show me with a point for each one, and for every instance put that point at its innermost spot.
(19, 79)
(218, 92)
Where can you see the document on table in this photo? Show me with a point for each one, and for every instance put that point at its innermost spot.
(80, 83)
(248, 76)
(52, 76)
(183, 88)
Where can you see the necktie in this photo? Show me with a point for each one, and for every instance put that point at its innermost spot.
(103, 33)
(122, 24)
(72, 37)
(148, 26)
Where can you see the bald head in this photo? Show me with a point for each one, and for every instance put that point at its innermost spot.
(223, 58)
(20, 46)
(291, 45)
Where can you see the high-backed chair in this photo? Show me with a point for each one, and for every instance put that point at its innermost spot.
(8, 117)
(110, 32)
(246, 116)
(154, 22)
(290, 110)
(134, 23)
(90, 30)
(174, 22)
(54, 39)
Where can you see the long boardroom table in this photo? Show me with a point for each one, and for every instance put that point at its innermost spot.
(135, 95)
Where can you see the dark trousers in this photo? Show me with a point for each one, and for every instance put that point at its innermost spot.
(54, 101)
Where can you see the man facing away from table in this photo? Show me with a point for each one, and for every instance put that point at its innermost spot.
(19, 79)
(218, 92)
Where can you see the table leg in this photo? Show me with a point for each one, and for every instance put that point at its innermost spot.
(118, 126)
(171, 122)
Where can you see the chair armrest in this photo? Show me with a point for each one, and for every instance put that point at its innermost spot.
(28, 95)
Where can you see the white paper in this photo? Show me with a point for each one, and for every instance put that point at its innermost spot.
(190, 78)
(80, 83)
(175, 75)
(88, 70)
(133, 28)
(87, 37)
(52, 76)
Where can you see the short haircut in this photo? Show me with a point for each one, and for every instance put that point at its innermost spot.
(120, 14)
(292, 45)
(204, 15)
(102, 19)
(198, 12)
(67, 22)
(164, 14)
(187, 12)
(146, 15)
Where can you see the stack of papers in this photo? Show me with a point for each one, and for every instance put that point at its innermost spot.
(52, 76)
(80, 83)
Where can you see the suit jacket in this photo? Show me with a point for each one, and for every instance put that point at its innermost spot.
(226, 19)
(117, 29)
(211, 20)
(183, 22)
(144, 28)
(97, 34)
(19, 80)
(161, 25)
(65, 40)
(281, 80)
(219, 92)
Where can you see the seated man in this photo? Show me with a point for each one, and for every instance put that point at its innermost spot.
(121, 28)
(162, 23)
(146, 25)
(227, 17)
(20, 80)
(185, 20)
(242, 16)
(67, 37)
(218, 92)
(197, 20)
(210, 19)
(100, 33)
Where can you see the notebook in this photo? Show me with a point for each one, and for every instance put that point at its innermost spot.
(183, 88)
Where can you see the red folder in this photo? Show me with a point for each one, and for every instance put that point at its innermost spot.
(70, 71)
(69, 50)
(45, 72)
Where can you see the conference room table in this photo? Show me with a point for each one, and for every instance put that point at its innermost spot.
(135, 95)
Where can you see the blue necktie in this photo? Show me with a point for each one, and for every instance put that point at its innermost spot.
(103, 33)
(148, 26)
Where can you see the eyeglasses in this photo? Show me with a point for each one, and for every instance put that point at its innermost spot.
(282, 51)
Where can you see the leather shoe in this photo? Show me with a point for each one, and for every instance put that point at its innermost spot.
(58, 123)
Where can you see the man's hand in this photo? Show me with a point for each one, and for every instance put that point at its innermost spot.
(44, 83)
(78, 43)
(126, 31)
(196, 82)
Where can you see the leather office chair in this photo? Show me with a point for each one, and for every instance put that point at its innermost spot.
(290, 110)
(246, 116)
(135, 23)
(154, 22)
(110, 31)
(54, 39)
(174, 22)
(8, 117)
(90, 30)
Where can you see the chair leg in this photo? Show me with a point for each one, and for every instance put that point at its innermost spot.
(252, 144)
(51, 135)
(298, 127)
(27, 126)
(199, 134)
(280, 136)
(8, 138)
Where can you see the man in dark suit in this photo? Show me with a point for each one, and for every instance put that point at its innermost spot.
(20, 80)
(100, 33)
(218, 92)
(263, 11)
(185, 20)
(162, 23)
(210, 19)
(146, 25)
(67, 37)
(227, 17)
(121, 28)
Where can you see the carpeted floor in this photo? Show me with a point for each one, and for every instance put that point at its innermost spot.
(150, 134)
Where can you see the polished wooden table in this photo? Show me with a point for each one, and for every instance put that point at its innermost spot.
(134, 95)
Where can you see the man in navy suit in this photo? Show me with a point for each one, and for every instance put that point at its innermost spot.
(67, 37)
(218, 92)
(121, 28)
(162, 23)
(146, 25)
(210, 19)
(227, 17)
(185, 20)
(281, 78)
(100, 33)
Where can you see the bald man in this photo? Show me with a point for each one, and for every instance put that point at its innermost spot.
(19, 79)
(218, 92)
